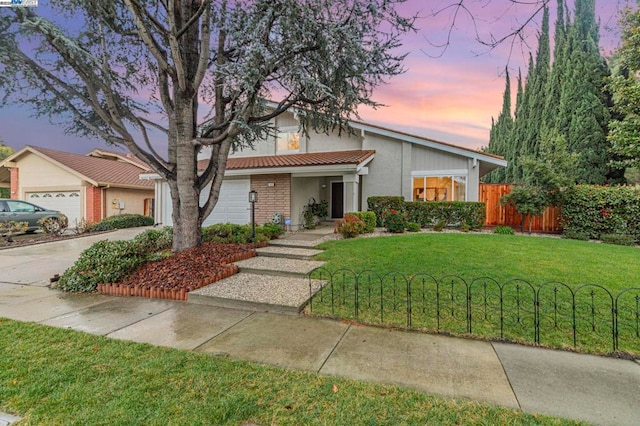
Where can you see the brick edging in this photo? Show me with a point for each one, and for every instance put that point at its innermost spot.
(228, 268)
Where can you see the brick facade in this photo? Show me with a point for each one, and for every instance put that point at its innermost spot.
(15, 180)
(93, 204)
(274, 196)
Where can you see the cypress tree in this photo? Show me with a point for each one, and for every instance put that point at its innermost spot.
(501, 132)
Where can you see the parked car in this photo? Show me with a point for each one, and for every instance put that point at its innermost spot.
(22, 211)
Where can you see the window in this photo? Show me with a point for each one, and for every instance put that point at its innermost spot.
(19, 206)
(439, 187)
(287, 142)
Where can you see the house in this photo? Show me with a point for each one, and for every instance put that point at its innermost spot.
(89, 187)
(290, 170)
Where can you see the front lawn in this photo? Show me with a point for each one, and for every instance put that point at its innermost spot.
(549, 291)
(502, 257)
(57, 376)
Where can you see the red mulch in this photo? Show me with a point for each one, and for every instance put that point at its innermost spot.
(173, 277)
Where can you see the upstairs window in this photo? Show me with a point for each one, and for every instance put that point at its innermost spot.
(287, 142)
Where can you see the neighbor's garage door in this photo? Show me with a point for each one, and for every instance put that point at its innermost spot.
(233, 203)
(68, 202)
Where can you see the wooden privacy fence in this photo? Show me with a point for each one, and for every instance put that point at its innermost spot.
(499, 215)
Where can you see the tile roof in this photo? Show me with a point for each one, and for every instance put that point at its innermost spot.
(100, 170)
(296, 160)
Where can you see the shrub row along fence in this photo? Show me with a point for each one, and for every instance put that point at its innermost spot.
(588, 317)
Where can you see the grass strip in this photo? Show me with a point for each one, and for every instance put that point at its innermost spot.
(57, 376)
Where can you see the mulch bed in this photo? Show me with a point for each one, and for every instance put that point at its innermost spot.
(174, 277)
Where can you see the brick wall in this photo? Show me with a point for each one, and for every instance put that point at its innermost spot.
(15, 180)
(272, 199)
(93, 204)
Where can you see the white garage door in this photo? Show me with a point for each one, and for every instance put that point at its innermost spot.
(68, 202)
(233, 203)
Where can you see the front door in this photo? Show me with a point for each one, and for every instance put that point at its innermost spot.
(337, 200)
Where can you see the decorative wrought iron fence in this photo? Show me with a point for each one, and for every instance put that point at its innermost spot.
(588, 317)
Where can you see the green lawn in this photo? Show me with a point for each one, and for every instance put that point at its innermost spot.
(421, 280)
(57, 376)
(502, 257)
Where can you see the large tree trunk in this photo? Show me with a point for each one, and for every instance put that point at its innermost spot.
(185, 194)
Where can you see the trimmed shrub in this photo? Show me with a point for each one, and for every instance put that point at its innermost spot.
(369, 219)
(440, 225)
(103, 262)
(350, 226)
(379, 205)
(599, 210)
(453, 213)
(395, 221)
(123, 221)
(504, 230)
(233, 233)
(154, 240)
(270, 230)
(618, 239)
(227, 233)
(413, 227)
(571, 235)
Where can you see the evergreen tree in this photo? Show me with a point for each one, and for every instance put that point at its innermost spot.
(568, 100)
(501, 132)
(625, 86)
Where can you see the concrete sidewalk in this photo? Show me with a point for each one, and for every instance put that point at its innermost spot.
(583, 387)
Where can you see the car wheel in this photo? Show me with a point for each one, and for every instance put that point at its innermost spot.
(55, 226)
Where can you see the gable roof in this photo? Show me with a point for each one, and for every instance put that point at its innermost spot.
(97, 171)
(492, 160)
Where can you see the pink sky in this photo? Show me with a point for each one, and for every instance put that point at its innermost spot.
(449, 96)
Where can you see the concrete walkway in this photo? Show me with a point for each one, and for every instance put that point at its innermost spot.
(583, 387)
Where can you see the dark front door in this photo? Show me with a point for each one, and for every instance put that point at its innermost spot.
(337, 199)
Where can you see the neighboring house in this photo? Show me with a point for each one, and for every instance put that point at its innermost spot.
(290, 170)
(89, 187)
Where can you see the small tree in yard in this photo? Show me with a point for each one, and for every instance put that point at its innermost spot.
(123, 70)
(546, 178)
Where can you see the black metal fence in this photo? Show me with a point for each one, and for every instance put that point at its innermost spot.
(587, 317)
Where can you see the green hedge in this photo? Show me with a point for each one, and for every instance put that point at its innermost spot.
(427, 214)
(233, 233)
(379, 204)
(601, 210)
(369, 219)
(122, 221)
(452, 213)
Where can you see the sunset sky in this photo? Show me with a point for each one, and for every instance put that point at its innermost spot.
(445, 94)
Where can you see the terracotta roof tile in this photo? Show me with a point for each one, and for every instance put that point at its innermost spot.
(100, 170)
(296, 160)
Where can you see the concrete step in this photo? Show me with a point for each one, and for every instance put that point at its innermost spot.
(258, 292)
(288, 252)
(278, 266)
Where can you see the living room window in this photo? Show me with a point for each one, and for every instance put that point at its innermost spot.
(439, 187)
(288, 141)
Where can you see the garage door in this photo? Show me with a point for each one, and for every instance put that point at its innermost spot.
(233, 203)
(68, 202)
